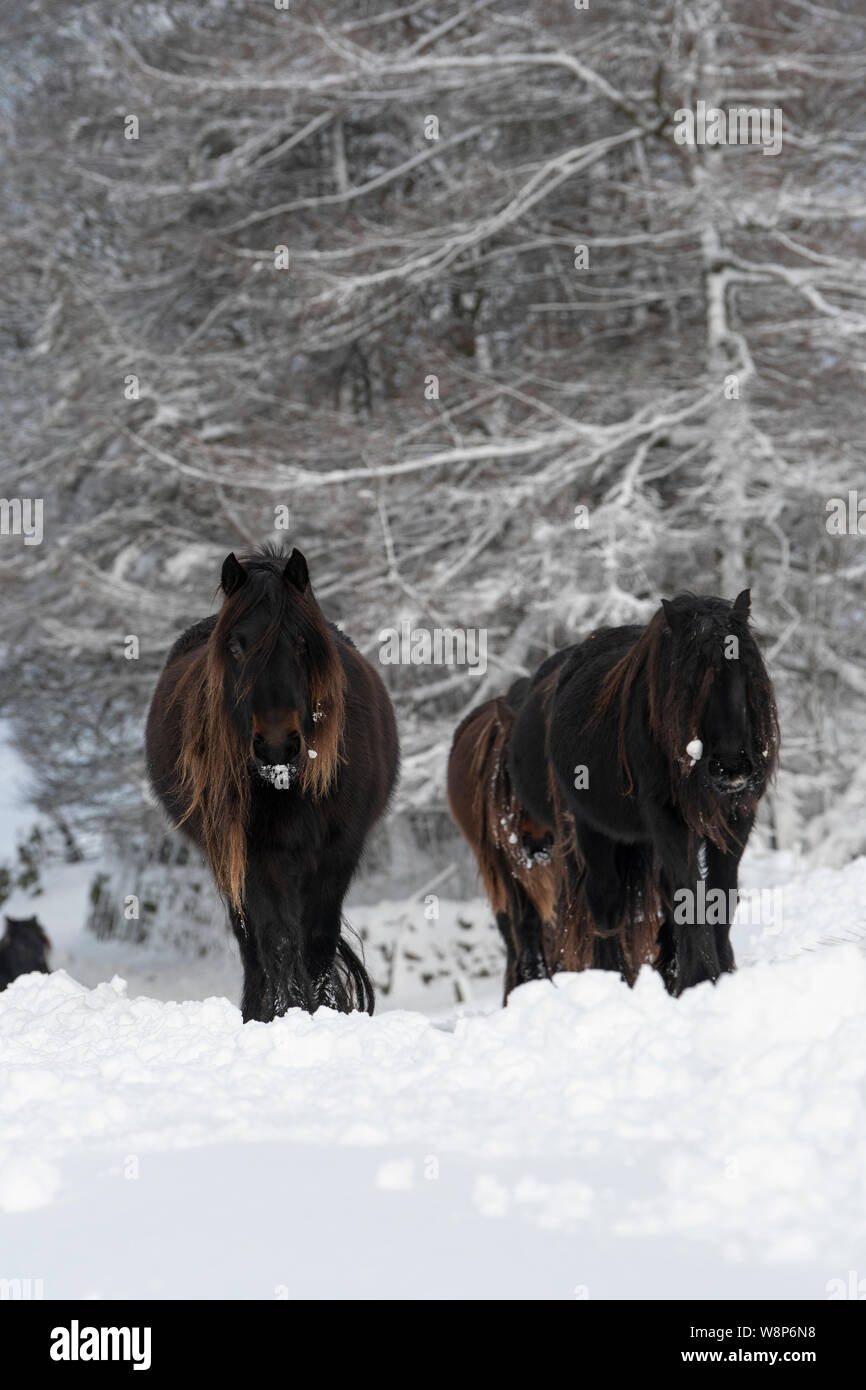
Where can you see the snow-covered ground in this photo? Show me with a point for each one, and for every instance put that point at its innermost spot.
(587, 1141)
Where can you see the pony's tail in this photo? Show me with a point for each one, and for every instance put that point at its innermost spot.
(633, 942)
(350, 985)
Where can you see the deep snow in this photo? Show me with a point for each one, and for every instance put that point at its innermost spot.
(587, 1141)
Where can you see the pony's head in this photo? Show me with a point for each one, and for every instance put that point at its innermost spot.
(710, 704)
(262, 701)
(281, 676)
(718, 717)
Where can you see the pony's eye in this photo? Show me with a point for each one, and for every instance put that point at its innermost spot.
(235, 648)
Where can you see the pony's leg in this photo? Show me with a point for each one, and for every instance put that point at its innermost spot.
(666, 957)
(530, 963)
(270, 944)
(601, 885)
(507, 932)
(522, 930)
(723, 872)
(256, 1002)
(323, 925)
(607, 954)
(524, 945)
(696, 955)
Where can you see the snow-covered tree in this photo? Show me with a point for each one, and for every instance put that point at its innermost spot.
(442, 289)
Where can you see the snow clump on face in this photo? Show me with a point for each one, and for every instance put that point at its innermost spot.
(280, 775)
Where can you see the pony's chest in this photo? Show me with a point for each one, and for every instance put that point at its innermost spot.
(284, 824)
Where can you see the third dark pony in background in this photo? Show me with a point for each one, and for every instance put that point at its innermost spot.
(24, 948)
(640, 755)
(271, 741)
(513, 852)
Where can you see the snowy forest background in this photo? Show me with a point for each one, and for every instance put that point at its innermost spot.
(432, 171)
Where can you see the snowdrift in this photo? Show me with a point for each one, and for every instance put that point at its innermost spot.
(587, 1141)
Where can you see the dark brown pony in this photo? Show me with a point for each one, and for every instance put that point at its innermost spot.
(513, 853)
(637, 759)
(271, 742)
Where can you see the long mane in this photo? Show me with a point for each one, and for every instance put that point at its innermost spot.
(214, 777)
(676, 673)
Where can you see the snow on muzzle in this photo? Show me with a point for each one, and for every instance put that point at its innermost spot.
(282, 775)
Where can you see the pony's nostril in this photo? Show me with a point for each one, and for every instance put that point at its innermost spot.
(293, 745)
(258, 743)
(733, 769)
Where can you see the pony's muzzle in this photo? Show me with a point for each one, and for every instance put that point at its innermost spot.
(731, 775)
(277, 752)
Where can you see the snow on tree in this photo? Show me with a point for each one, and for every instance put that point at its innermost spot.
(439, 295)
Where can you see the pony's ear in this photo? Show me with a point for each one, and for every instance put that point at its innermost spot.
(296, 571)
(743, 603)
(675, 619)
(233, 575)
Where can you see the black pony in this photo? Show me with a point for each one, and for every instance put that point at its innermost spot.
(647, 751)
(24, 947)
(272, 742)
